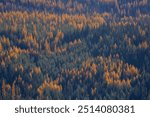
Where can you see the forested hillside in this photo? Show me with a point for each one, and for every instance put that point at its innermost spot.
(74, 49)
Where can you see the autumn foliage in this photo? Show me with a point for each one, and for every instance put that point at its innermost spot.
(74, 49)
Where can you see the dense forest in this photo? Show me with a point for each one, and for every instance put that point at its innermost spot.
(74, 49)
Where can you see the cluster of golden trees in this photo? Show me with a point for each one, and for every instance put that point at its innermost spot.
(51, 21)
(50, 84)
(115, 71)
(119, 73)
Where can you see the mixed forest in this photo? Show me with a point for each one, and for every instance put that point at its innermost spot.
(74, 49)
